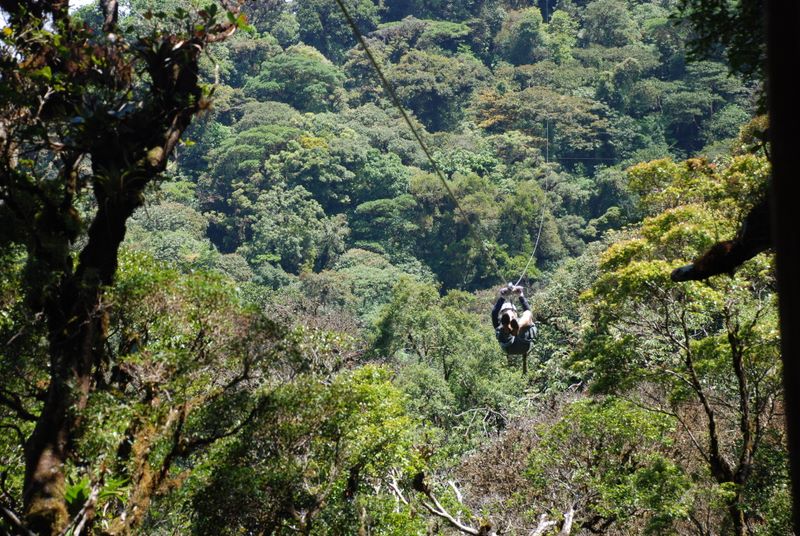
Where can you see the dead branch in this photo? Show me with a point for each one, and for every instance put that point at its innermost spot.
(566, 527)
(543, 525)
(437, 510)
(396, 489)
(13, 519)
(459, 498)
(433, 506)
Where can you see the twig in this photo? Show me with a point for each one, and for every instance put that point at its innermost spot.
(459, 498)
(79, 521)
(12, 518)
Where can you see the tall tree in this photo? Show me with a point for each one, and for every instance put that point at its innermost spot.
(706, 354)
(88, 121)
(522, 38)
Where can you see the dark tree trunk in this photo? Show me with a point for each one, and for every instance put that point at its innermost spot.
(77, 331)
(125, 160)
(73, 345)
(736, 511)
(128, 151)
(783, 49)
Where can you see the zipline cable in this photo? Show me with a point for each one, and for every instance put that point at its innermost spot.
(546, 177)
(541, 218)
(396, 101)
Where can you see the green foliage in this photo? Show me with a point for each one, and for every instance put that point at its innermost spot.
(738, 26)
(429, 394)
(613, 455)
(436, 87)
(308, 455)
(429, 35)
(77, 493)
(448, 243)
(575, 126)
(562, 35)
(303, 198)
(609, 23)
(276, 18)
(522, 39)
(90, 118)
(360, 282)
(177, 344)
(726, 123)
(245, 57)
(291, 229)
(525, 212)
(430, 335)
(387, 222)
(687, 340)
(662, 184)
(302, 77)
(386, 131)
(434, 9)
(323, 26)
(20, 371)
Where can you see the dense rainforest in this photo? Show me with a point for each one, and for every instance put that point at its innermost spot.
(237, 299)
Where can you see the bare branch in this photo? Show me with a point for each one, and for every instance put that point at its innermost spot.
(14, 402)
(692, 438)
(437, 510)
(396, 489)
(566, 527)
(745, 425)
(459, 498)
(186, 447)
(13, 519)
(543, 526)
(720, 467)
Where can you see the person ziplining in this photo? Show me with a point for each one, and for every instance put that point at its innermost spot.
(515, 333)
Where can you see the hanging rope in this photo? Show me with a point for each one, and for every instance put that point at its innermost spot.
(535, 245)
(396, 101)
(542, 211)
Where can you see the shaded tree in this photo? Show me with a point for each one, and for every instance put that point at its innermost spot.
(738, 27)
(706, 354)
(522, 39)
(609, 23)
(323, 26)
(292, 230)
(84, 116)
(435, 87)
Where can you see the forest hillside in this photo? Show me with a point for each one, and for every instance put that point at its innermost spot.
(238, 296)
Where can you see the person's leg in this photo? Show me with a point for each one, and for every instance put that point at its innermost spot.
(525, 320)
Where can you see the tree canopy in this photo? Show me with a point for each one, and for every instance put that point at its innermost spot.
(237, 298)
